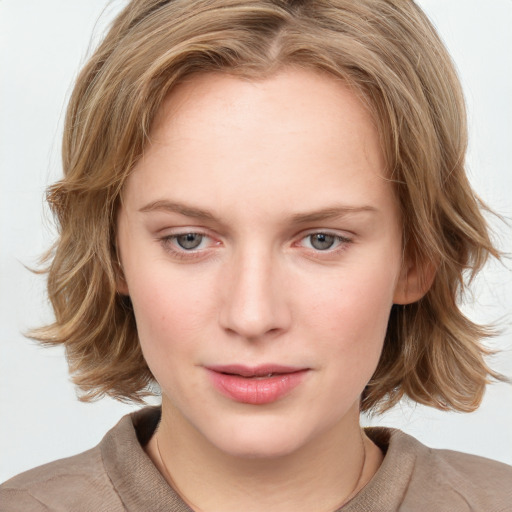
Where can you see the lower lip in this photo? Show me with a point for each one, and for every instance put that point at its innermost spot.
(256, 391)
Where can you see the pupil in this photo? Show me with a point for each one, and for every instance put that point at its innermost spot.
(322, 241)
(189, 240)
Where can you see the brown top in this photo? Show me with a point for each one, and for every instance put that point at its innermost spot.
(117, 475)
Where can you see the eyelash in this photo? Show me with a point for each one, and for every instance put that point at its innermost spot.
(342, 242)
(181, 253)
(169, 244)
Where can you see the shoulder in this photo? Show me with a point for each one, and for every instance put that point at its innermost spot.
(106, 478)
(480, 483)
(75, 483)
(449, 480)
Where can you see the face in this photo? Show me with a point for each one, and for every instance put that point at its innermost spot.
(261, 248)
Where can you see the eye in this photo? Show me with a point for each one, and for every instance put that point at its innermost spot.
(189, 241)
(187, 244)
(324, 241)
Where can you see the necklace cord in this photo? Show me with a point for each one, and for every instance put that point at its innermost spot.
(355, 489)
(171, 481)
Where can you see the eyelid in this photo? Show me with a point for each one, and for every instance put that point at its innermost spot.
(326, 231)
(171, 234)
(180, 253)
(343, 240)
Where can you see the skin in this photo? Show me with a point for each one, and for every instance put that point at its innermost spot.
(272, 162)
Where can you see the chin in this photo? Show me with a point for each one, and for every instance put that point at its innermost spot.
(261, 448)
(259, 440)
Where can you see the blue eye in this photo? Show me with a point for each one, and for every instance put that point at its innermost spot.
(189, 241)
(189, 245)
(322, 241)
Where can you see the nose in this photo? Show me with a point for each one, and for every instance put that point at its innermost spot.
(255, 302)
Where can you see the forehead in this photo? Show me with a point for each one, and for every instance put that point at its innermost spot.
(218, 135)
(293, 100)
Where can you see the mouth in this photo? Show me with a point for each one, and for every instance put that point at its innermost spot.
(256, 385)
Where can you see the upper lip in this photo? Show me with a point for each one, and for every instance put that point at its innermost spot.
(254, 371)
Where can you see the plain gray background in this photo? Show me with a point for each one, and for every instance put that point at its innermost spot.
(42, 46)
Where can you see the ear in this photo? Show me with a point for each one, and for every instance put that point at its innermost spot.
(121, 284)
(414, 281)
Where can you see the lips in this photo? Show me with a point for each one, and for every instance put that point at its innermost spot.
(256, 385)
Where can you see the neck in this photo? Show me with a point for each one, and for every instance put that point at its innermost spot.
(322, 475)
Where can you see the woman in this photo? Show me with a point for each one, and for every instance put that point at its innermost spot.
(265, 211)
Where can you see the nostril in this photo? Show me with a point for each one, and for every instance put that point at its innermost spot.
(253, 306)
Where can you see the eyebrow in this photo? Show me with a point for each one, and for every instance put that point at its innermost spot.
(330, 213)
(183, 209)
(298, 218)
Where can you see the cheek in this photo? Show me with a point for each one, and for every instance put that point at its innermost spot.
(352, 310)
(170, 311)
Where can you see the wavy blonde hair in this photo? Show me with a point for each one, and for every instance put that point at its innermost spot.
(390, 54)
